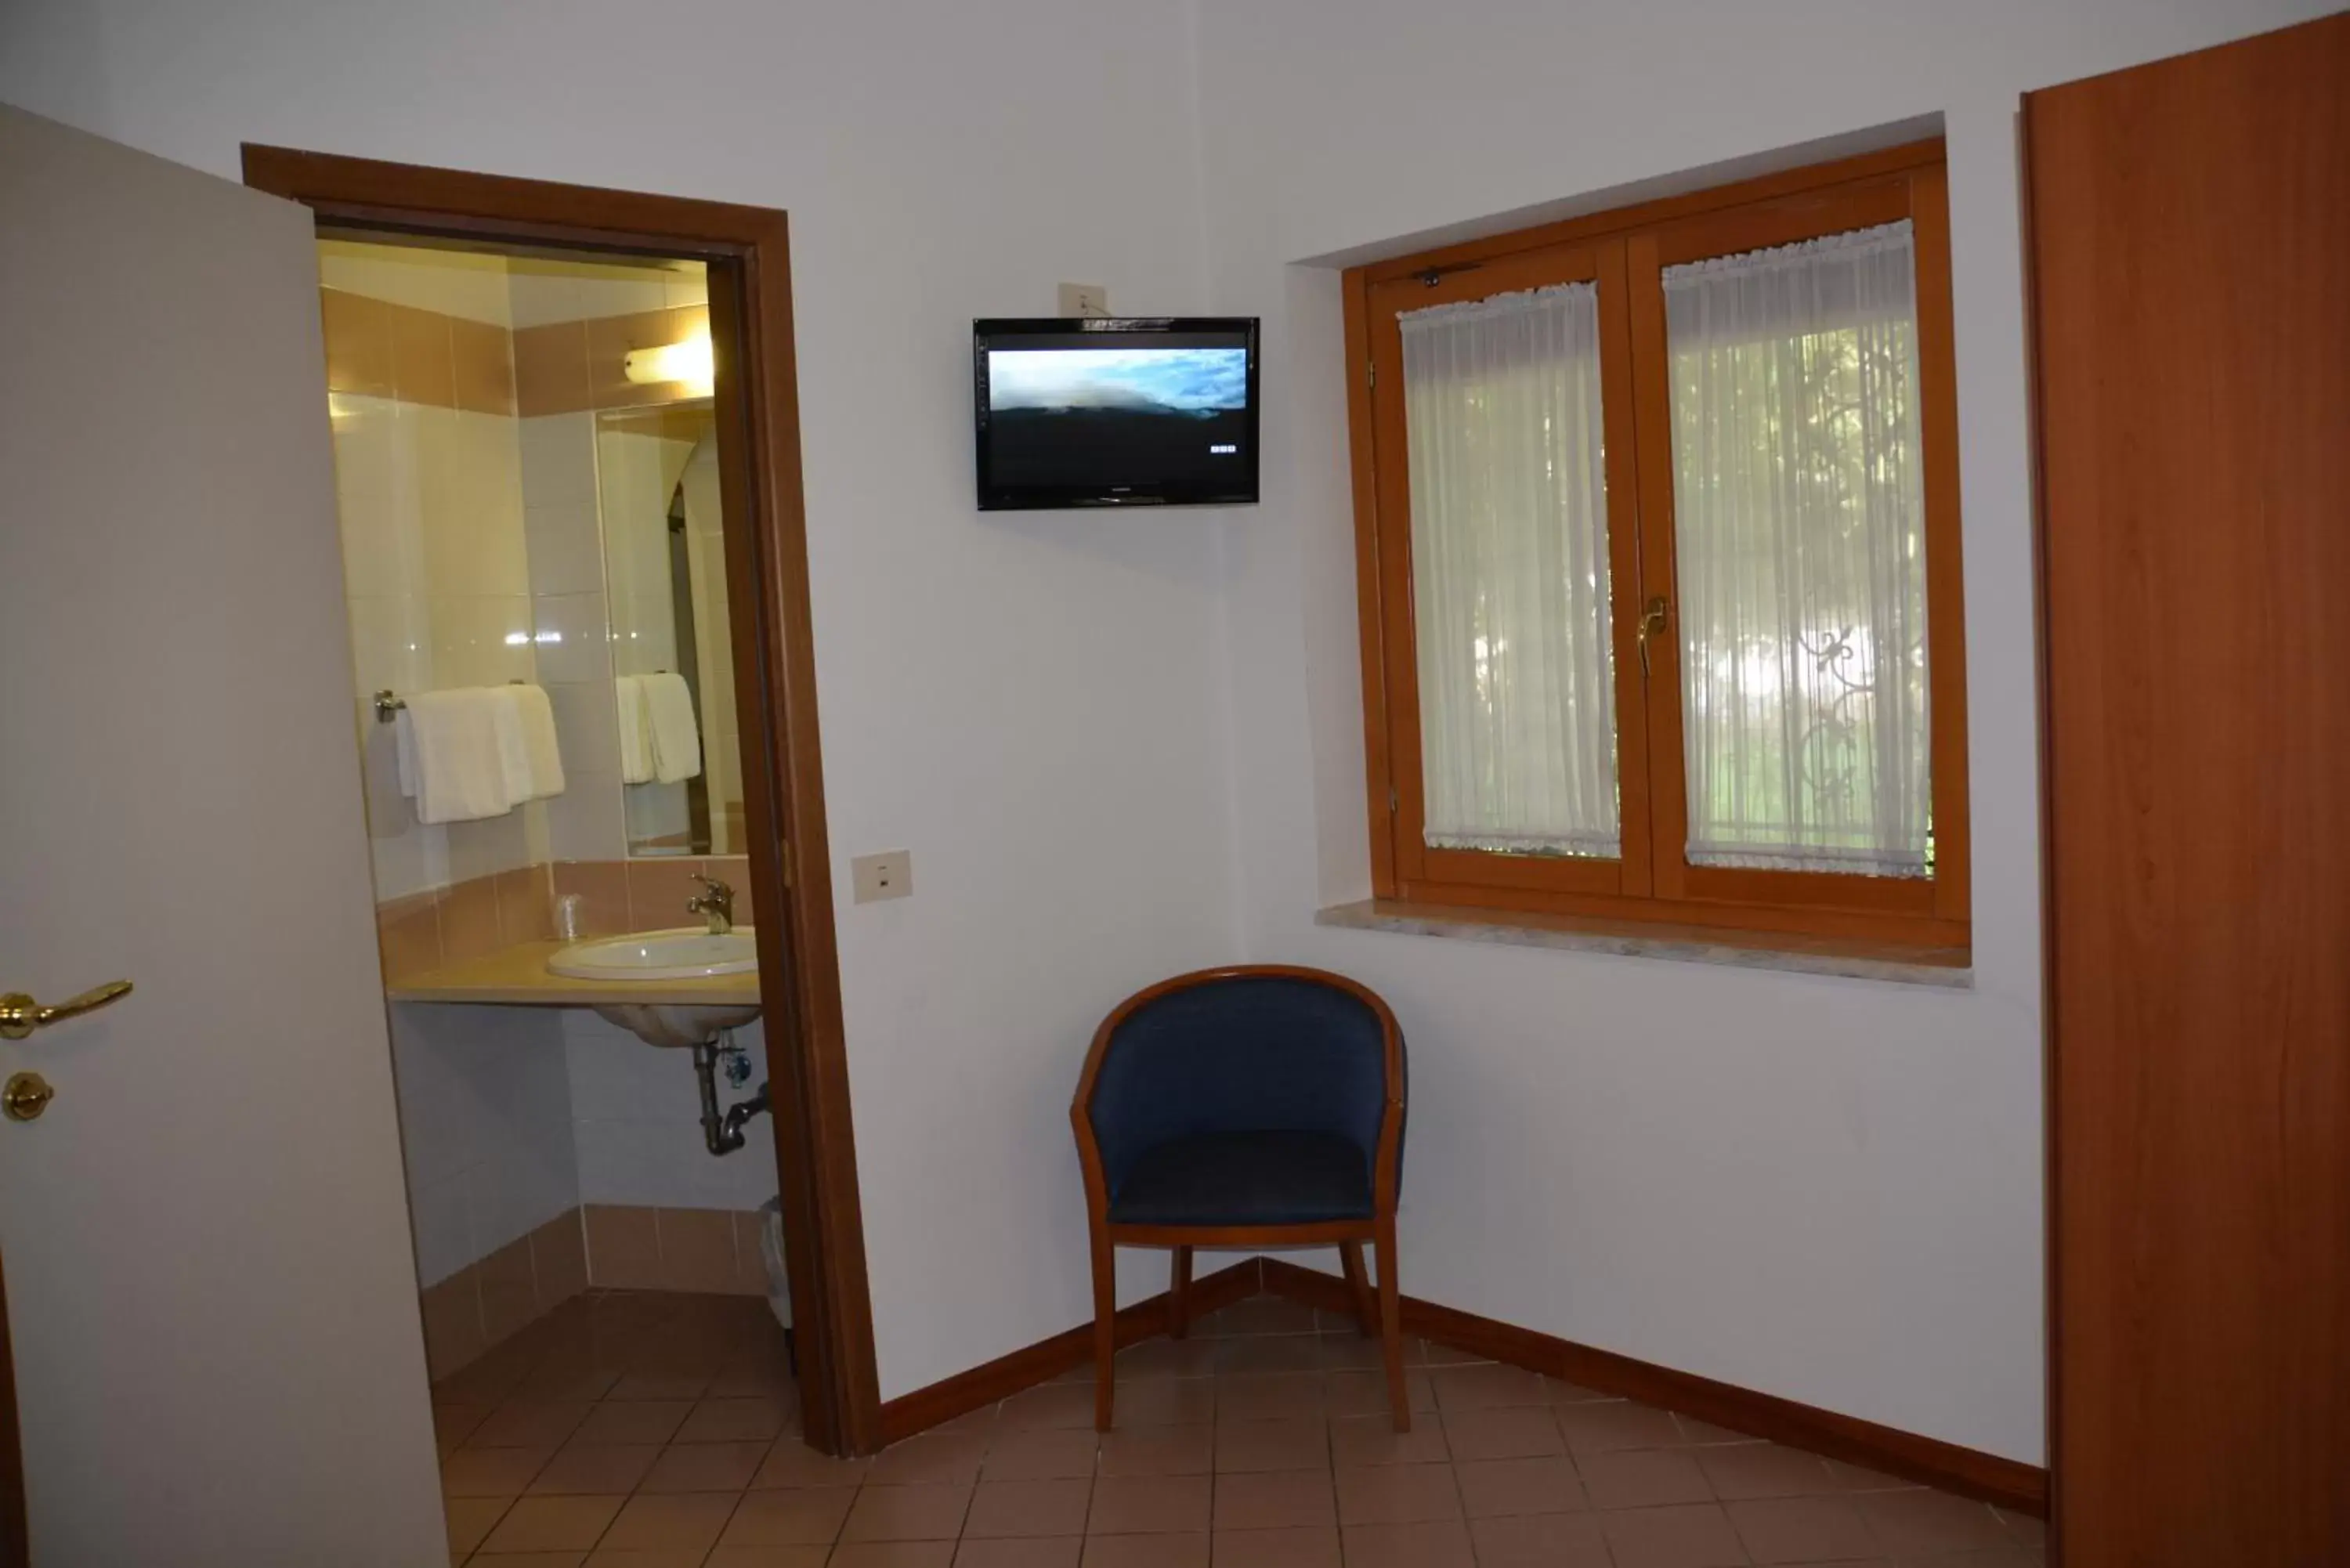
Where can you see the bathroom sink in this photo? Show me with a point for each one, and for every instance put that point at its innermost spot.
(684, 955)
(676, 1027)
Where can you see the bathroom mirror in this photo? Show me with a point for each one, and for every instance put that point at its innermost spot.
(672, 665)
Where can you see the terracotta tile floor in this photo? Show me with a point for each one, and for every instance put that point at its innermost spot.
(636, 1430)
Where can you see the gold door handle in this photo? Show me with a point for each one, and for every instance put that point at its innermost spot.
(20, 1014)
(1652, 624)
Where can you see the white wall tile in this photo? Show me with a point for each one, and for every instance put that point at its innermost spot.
(587, 726)
(637, 1126)
(571, 636)
(558, 457)
(585, 821)
(565, 546)
(487, 847)
(482, 639)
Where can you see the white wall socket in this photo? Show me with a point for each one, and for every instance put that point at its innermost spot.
(1083, 299)
(887, 874)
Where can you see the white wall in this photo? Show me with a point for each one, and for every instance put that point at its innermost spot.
(486, 1122)
(1826, 1189)
(1030, 704)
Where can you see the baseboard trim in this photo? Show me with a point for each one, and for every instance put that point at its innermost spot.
(1049, 1358)
(1968, 1471)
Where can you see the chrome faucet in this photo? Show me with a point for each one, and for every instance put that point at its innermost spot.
(714, 903)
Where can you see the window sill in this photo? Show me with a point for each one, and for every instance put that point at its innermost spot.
(1946, 968)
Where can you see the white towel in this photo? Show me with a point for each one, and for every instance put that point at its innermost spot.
(677, 739)
(449, 754)
(528, 751)
(636, 731)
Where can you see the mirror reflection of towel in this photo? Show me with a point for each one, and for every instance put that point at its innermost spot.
(636, 731)
(676, 738)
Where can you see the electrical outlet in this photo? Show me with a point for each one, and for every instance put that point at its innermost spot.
(1083, 299)
(887, 875)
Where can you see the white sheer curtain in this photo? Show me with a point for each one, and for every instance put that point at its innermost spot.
(1509, 553)
(1799, 521)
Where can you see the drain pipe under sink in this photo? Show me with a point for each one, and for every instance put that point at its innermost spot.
(722, 1132)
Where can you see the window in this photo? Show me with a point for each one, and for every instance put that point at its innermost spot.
(1657, 540)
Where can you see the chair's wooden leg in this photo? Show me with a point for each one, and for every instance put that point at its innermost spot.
(1391, 1324)
(1179, 1293)
(1366, 1311)
(1105, 1327)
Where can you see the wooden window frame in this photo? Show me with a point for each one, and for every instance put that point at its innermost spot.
(1624, 253)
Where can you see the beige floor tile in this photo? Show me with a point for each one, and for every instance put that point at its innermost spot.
(1052, 1405)
(1176, 1551)
(1270, 1396)
(951, 1458)
(635, 1421)
(1764, 1469)
(1435, 1543)
(1604, 1429)
(928, 1511)
(1540, 1540)
(1487, 1387)
(1691, 1535)
(791, 1462)
(1282, 1445)
(630, 1557)
(1165, 1402)
(491, 1473)
(767, 1557)
(1920, 1522)
(1802, 1529)
(1159, 1451)
(733, 1421)
(1042, 1453)
(892, 1555)
(1149, 1505)
(594, 1469)
(1495, 1489)
(471, 1519)
(1263, 1353)
(552, 1524)
(1271, 1500)
(704, 1466)
(1315, 1547)
(1397, 1495)
(530, 1424)
(1366, 1393)
(1509, 1433)
(1642, 1478)
(1014, 1508)
(1373, 1440)
(809, 1517)
(682, 1522)
(1030, 1551)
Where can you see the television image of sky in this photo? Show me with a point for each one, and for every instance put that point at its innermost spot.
(1177, 380)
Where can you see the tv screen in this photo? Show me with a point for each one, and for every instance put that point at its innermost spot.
(1116, 412)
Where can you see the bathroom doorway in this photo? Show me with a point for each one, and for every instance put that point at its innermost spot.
(619, 401)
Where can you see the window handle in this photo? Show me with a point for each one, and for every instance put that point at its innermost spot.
(1652, 624)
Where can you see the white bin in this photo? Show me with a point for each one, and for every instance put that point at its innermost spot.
(771, 1247)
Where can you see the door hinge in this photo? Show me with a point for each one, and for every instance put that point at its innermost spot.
(784, 862)
(1395, 803)
(1370, 372)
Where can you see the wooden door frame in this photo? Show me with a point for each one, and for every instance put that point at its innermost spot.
(748, 252)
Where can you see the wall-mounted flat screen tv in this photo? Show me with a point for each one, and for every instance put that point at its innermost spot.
(1116, 412)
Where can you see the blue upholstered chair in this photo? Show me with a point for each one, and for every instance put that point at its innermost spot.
(1257, 1106)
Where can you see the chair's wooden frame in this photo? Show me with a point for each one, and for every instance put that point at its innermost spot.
(1382, 1316)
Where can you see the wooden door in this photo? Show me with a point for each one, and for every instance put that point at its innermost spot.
(2191, 256)
(210, 1295)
